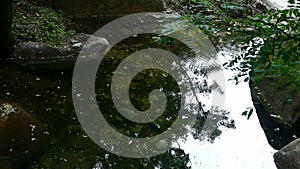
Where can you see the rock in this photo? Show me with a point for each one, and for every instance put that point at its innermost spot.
(83, 37)
(277, 131)
(30, 53)
(38, 53)
(41, 53)
(282, 102)
(22, 136)
(289, 156)
(73, 41)
(94, 45)
(5, 162)
(77, 45)
(35, 50)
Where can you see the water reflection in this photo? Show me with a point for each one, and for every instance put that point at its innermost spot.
(244, 147)
(46, 96)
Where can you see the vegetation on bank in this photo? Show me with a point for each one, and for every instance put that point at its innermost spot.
(267, 41)
(32, 22)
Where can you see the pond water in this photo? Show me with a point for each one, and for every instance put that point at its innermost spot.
(244, 147)
(45, 91)
(46, 94)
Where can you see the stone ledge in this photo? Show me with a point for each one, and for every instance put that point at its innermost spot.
(288, 156)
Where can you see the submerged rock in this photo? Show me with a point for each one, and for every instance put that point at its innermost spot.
(289, 156)
(6, 109)
(22, 136)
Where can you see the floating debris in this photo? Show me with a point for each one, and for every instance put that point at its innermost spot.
(32, 126)
(47, 133)
(34, 139)
(276, 116)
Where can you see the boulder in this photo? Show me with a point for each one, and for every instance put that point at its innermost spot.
(39, 53)
(278, 133)
(282, 102)
(289, 156)
(278, 112)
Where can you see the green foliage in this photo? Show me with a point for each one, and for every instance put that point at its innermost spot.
(35, 23)
(264, 42)
(268, 39)
(279, 55)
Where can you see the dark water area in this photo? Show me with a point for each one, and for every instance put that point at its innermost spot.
(47, 96)
(45, 92)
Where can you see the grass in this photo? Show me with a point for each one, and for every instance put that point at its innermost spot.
(32, 22)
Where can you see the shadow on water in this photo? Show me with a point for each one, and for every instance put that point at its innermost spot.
(45, 94)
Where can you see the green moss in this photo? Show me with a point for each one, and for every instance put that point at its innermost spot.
(32, 22)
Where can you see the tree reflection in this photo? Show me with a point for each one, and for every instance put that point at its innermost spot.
(139, 93)
(173, 158)
(70, 147)
(223, 120)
